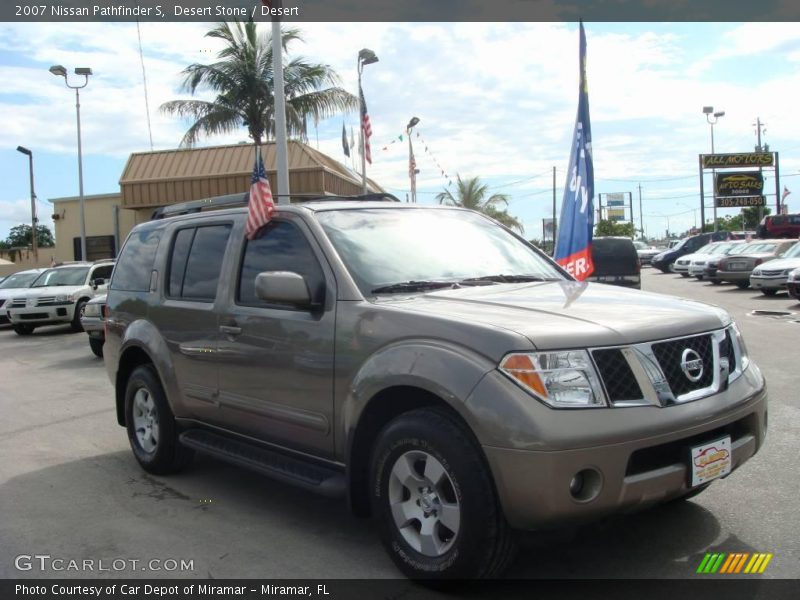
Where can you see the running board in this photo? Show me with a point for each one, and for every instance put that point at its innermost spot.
(309, 475)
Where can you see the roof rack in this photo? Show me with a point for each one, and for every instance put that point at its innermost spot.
(232, 200)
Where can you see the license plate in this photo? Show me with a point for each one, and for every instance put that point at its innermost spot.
(710, 461)
(737, 266)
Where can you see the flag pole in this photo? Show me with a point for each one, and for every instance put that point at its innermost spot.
(281, 151)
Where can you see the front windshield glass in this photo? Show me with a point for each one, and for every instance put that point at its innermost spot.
(62, 276)
(387, 246)
(20, 280)
(793, 252)
(678, 245)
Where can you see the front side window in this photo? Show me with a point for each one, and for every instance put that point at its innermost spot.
(280, 247)
(102, 272)
(386, 246)
(62, 276)
(194, 274)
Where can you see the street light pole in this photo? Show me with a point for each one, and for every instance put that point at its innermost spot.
(60, 71)
(708, 111)
(34, 242)
(365, 57)
(412, 164)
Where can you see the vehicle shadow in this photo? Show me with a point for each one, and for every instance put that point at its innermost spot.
(234, 523)
(52, 330)
(664, 541)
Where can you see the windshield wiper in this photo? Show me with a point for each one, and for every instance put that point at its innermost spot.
(506, 278)
(413, 286)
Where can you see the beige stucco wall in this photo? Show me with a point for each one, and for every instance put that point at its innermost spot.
(23, 259)
(99, 217)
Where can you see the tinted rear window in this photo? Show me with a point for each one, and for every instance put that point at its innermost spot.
(614, 256)
(132, 272)
(195, 276)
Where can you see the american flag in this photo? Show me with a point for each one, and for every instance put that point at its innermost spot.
(366, 127)
(260, 206)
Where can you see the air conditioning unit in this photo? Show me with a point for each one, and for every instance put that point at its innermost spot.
(55, 216)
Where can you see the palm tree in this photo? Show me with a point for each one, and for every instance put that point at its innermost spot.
(471, 193)
(242, 80)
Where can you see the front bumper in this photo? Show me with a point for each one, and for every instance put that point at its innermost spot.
(93, 326)
(768, 283)
(41, 315)
(639, 455)
(677, 267)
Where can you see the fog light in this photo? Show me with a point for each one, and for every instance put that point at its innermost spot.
(585, 485)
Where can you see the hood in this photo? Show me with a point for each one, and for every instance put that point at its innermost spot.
(12, 293)
(566, 314)
(50, 290)
(782, 263)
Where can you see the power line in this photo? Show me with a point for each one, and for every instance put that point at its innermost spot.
(648, 180)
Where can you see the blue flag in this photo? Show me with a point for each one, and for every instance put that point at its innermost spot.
(574, 244)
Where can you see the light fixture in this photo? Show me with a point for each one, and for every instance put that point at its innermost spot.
(83, 71)
(58, 70)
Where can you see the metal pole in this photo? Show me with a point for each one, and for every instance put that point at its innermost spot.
(80, 177)
(702, 199)
(777, 184)
(115, 215)
(641, 214)
(714, 181)
(34, 242)
(361, 129)
(554, 209)
(281, 151)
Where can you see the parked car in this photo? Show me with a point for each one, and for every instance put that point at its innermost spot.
(793, 284)
(93, 323)
(780, 226)
(616, 262)
(646, 252)
(771, 278)
(689, 245)
(736, 268)
(704, 262)
(11, 286)
(681, 265)
(430, 366)
(58, 295)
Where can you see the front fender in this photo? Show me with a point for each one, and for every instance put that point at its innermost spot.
(447, 371)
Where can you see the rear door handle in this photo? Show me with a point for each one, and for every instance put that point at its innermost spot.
(230, 329)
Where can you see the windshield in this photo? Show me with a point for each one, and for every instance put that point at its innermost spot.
(62, 276)
(381, 247)
(640, 245)
(793, 252)
(20, 280)
(677, 245)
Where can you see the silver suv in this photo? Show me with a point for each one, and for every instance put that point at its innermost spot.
(429, 365)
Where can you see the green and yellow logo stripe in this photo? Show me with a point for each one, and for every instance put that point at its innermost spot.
(734, 563)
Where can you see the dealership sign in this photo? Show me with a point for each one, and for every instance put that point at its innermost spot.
(739, 183)
(741, 159)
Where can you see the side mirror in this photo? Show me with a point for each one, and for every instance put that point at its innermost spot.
(96, 283)
(283, 287)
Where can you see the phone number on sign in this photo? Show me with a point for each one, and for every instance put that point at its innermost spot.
(741, 202)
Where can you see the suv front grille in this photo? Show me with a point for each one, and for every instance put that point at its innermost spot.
(617, 375)
(670, 356)
(17, 303)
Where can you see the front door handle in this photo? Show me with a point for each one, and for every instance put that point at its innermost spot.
(230, 329)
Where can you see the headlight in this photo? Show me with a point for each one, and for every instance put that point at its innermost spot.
(793, 275)
(93, 310)
(562, 379)
(756, 272)
(63, 298)
(738, 341)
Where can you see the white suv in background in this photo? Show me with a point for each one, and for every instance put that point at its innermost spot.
(58, 296)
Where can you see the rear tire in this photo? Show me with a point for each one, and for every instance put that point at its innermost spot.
(698, 277)
(434, 500)
(23, 329)
(743, 285)
(767, 292)
(97, 346)
(152, 432)
(684, 275)
(715, 282)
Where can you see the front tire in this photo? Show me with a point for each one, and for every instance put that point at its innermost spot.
(97, 346)
(152, 432)
(76, 318)
(768, 292)
(434, 500)
(685, 275)
(743, 285)
(23, 329)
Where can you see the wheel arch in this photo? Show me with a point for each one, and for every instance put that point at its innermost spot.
(130, 359)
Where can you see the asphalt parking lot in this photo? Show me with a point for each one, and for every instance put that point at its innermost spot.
(70, 488)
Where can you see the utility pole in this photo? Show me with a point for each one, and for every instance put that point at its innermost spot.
(555, 228)
(759, 148)
(641, 214)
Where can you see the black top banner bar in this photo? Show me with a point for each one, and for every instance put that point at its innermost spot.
(399, 10)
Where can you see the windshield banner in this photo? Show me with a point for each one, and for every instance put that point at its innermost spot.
(574, 244)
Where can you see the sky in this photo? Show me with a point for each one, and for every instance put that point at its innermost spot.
(495, 100)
